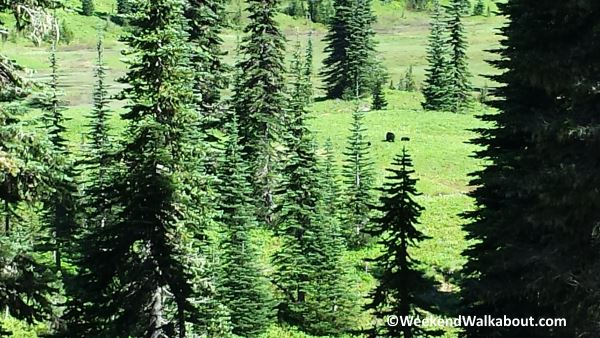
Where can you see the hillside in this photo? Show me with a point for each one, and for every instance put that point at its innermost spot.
(439, 141)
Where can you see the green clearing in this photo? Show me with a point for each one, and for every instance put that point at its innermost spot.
(439, 140)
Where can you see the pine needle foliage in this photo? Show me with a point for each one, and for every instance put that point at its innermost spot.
(534, 231)
(459, 76)
(243, 286)
(436, 87)
(401, 285)
(139, 257)
(358, 182)
(259, 101)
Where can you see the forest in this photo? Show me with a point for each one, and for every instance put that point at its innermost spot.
(299, 168)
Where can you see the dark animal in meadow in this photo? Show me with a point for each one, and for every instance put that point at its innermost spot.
(390, 137)
(369, 143)
(405, 139)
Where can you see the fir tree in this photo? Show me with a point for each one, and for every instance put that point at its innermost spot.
(335, 65)
(459, 79)
(332, 302)
(358, 182)
(479, 8)
(379, 101)
(259, 101)
(87, 7)
(361, 65)
(141, 270)
(408, 82)
(60, 207)
(206, 21)
(308, 68)
(27, 283)
(100, 168)
(534, 251)
(243, 287)
(437, 79)
(401, 285)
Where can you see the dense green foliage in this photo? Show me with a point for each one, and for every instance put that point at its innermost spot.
(535, 227)
(358, 182)
(402, 287)
(379, 101)
(436, 88)
(243, 285)
(87, 7)
(350, 48)
(459, 82)
(259, 101)
(157, 222)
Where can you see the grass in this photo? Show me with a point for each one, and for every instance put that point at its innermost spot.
(439, 140)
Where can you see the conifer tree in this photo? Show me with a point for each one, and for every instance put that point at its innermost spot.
(259, 101)
(206, 21)
(332, 303)
(358, 182)
(534, 251)
(479, 8)
(100, 168)
(27, 283)
(335, 65)
(243, 287)
(140, 259)
(459, 75)
(308, 68)
(361, 61)
(437, 79)
(87, 7)
(379, 101)
(401, 285)
(124, 8)
(60, 207)
(408, 82)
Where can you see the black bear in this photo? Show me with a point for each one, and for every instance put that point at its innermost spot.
(405, 139)
(390, 137)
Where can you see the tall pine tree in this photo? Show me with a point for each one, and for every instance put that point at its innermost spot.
(437, 79)
(401, 286)
(99, 167)
(243, 286)
(140, 268)
(259, 101)
(358, 182)
(335, 65)
(535, 226)
(459, 75)
(60, 206)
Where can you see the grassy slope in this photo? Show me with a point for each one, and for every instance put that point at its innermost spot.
(438, 140)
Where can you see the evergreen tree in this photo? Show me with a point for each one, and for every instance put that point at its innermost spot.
(335, 72)
(408, 82)
(206, 21)
(308, 68)
(358, 181)
(60, 207)
(401, 285)
(87, 7)
(259, 101)
(479, 8)
(379, 101)
(459, 79)
(361, 64)
(437, 79)
(124, 9)
(99, 166)
(243, 287)
(27, 283)
(140, 257)
(332, 302)
(535, 227)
